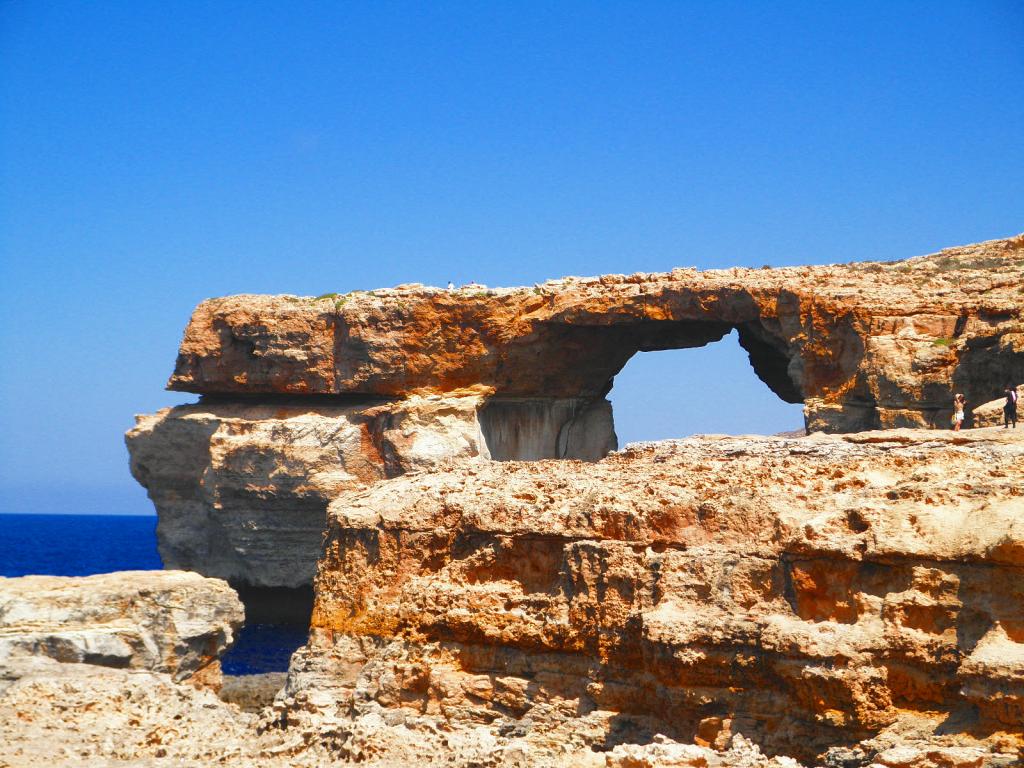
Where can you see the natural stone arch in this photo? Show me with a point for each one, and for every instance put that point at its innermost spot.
(582, 427)
(338, 392)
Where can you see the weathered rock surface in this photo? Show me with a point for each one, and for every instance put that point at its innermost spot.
(811, 594)
(81, 715)
(251, 693)
(166, 621)
(864, 345)
(308, 398)
(242, 488)
(78, 715)
(77, 687)
(841, 601)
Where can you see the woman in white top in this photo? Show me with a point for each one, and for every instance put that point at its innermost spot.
(958, 408)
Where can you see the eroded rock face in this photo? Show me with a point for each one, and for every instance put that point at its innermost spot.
(241, 480)
(864, 345)
(165, 621)
(846, 601)
(811, 594)
(75, 715)
(242, 489)
(137, 718)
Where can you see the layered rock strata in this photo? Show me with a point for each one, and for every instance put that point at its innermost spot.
(863, 345)
(114, 670)
(816, 595)
(242, 488)
(170, 622)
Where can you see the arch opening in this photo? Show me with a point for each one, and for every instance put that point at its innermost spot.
(707, 389)
(695, 385)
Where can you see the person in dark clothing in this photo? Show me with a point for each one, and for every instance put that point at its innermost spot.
(1010, 408)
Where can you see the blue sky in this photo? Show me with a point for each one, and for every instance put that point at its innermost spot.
(154, 154)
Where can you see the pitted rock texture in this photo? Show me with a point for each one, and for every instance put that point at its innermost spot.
(79, 715)
(811, 594)
(166, 621)
(242, 488)
(863, 345)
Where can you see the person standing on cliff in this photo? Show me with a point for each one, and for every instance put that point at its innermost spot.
(958, 411)
(1010, 408)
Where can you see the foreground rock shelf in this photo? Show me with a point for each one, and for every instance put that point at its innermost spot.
(118, 669)
(807, 593)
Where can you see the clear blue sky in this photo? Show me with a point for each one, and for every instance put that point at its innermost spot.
(153, 154)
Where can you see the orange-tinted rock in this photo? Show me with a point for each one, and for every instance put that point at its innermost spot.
(863, 345)
(808, 593)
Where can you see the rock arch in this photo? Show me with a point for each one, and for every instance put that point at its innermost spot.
(305, 398)
(862, 345)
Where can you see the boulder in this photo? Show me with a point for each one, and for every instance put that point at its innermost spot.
(990, 414)
(171, 622)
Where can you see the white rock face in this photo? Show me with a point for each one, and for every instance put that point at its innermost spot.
(242, 490)
(527, 429)
(167, 621)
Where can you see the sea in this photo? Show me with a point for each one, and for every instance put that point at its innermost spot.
(80, 545)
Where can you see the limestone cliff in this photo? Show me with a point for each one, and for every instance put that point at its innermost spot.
(847, 600)
(863, 345)
(242, 488)
(812, 594)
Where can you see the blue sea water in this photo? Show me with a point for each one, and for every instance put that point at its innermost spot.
(80, 545)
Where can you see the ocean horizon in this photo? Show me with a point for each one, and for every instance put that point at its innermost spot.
(42, 544)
